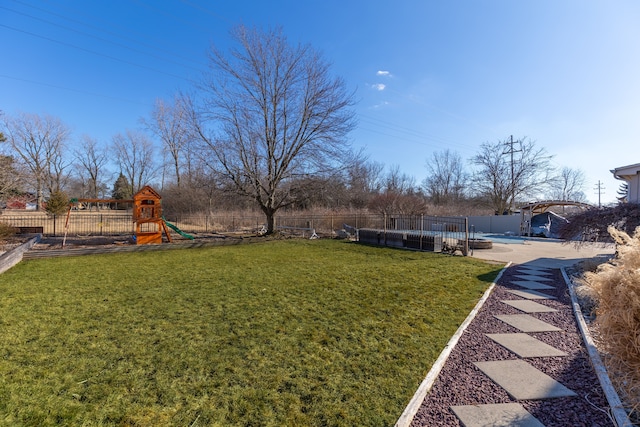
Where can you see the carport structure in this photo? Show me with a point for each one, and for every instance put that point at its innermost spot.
(528, 211)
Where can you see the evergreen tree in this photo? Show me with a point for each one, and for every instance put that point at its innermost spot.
(122, 188)
(623, 192)
(58, 203)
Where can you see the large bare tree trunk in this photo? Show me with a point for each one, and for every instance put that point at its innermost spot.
(271, 114)
(271, 222)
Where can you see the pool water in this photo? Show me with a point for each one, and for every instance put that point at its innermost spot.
(510, 240)
(500, 238)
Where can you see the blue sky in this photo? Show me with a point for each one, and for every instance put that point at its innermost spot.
(428, 75)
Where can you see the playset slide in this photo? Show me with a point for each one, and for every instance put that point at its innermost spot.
(177, 230)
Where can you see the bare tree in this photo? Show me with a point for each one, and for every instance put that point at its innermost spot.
(399, 182)
(59, 165)
(271, 113)
(569, 185)
(447, 177)
(168, 122)
(11, 177)
(39, 144)
(501, 182)
(365, 176)
(134, 155)
(391, 202)
(364, 180)
(90, 164)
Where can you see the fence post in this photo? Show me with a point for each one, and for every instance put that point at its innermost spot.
(54, 225)
(101, 224)
(421, 229)
(465, 251)
(384, 221)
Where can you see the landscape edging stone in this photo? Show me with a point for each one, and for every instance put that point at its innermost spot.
(14, 256)
(416, 401)
(619, 413)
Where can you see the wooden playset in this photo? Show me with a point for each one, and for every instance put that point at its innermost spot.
(147, 216)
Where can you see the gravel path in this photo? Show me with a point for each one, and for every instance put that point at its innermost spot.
(461, 383)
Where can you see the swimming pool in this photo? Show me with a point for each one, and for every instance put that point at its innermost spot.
(510, 240)
(500, 238)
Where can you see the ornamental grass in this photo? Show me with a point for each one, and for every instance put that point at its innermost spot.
(615, 289)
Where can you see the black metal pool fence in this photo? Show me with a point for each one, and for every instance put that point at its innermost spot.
(411, 231)
(421, 232)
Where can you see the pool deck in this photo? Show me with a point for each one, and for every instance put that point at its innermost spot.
(550, 254)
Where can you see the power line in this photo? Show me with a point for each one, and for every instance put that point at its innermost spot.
(411, 138)
(83, 33)
(440, 110)
(94, 52)
(73, 90)
(375, 122)
(109, 32)
(405, 133)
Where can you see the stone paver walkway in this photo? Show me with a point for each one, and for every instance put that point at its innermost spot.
(497, 415)
(518, 372)
(529, 306)
(525, 345)
(531, 294)
(526, 323)
(521, 380)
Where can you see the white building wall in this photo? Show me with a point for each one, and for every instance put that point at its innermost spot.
(495, 224)
(634, 189)
(631, 175)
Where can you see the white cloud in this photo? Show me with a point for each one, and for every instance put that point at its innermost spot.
(383, 73)
(380, 105)
(379, 86)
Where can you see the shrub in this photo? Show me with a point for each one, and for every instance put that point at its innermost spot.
(58, 203)
(6, 230)
(615, 288)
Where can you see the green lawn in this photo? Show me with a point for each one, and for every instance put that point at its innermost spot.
(278, 333)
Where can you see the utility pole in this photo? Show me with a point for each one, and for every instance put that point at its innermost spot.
(510, 151)
(599, 187)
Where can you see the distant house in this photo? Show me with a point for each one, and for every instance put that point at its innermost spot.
(23, 201)
(630, 174)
